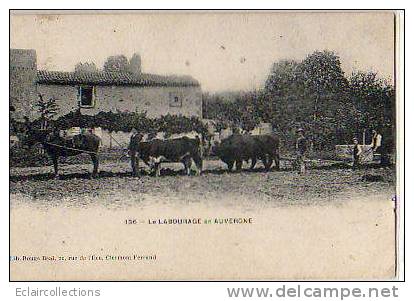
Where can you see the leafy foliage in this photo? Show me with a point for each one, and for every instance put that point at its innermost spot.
(313, 94)
(47, 109)
(322, 74)
(127, 121)
(374, 100)
(242, 111)
(309, 94)
(135, 63)
(86, 67)
(116, 63)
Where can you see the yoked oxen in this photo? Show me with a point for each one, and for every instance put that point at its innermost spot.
(156, 151)
(243, 147)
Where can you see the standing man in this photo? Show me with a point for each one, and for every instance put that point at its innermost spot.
(377, 146)
(301, 149)
(356, 153)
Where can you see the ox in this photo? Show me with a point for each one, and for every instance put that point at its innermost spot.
(156, 151)
(238, 148)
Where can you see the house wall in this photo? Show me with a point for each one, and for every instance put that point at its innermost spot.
(23, 68)
(262, 129)
(154, 100)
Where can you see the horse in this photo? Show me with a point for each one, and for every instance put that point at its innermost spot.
(57, 146)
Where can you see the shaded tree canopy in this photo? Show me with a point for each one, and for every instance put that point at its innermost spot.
(116, 63)
(86, 67)
(310, 94)
(322, 73)
(232, 110)
(283, 78)
(135, 63)
(316, 95)
(374, 100)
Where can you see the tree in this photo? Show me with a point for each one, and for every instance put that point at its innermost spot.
(283, 78)
(326, 87)
(283, 103)
(374, 98)
(135, 64)
(47, 109)
(233, 109)
(313, 94)
(322, 73)
(248, 111)
(86, 67)
(116, 63)
(324, 81)
(310, 94)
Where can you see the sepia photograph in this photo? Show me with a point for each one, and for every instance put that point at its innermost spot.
(204, 145)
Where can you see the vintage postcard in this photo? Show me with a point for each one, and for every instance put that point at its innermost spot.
(204, 145)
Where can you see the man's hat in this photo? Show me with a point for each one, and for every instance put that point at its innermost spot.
(300, 130)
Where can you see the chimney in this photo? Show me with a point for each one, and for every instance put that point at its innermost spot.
(135, 64)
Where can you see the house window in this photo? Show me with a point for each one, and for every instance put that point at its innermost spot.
(176, 100)
(87, 96)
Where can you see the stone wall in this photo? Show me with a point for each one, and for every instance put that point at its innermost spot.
(23, 68)
(346, 152)
(156, 101)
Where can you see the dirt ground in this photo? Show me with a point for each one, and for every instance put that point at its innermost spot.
(323, 183)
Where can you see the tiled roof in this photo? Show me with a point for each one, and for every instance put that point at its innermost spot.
(113, 78)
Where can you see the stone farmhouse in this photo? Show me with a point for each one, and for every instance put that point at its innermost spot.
(93, 92)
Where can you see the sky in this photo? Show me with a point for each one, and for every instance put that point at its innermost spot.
(222, 50)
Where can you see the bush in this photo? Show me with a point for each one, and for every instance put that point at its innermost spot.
(126, 121)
